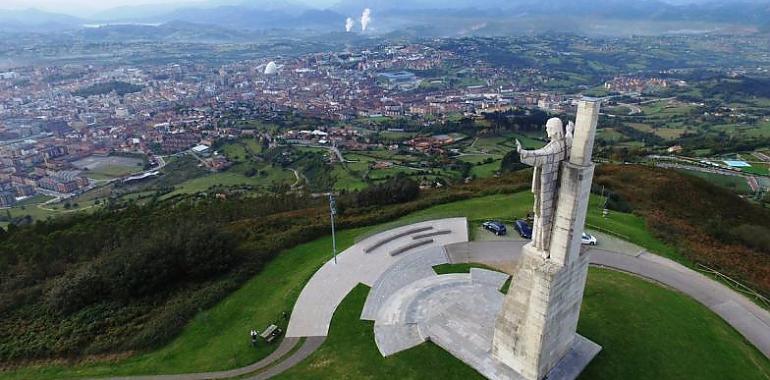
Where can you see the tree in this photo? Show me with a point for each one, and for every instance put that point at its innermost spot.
(511, 162)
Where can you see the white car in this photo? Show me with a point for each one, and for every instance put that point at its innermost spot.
(588, 239)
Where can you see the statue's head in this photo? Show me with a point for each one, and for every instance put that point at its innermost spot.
(554, 128)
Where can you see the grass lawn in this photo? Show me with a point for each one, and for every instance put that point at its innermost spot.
(670, 133)
(234, 151)
(217, 338)
(347, 180)
(350, 353)
(397, 136)
(113, 171)
(475, 158)
(758, 169)
(610, 135)
(734, 183)
(485, 170)
(232, 177)
(459, 268)
(629, 227)
(35, 212)
(650, 332)
(490, 145)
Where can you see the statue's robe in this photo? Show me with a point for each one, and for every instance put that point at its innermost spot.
(545, 182)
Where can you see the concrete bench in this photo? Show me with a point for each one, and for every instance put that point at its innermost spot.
(410, 246)
(390, 238)
(432, 234)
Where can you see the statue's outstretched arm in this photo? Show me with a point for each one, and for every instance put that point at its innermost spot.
(538, 157)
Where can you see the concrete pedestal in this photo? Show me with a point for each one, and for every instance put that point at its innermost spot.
(536, 327)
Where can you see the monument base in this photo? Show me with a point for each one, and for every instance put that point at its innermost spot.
(410, 305)
(537, 325)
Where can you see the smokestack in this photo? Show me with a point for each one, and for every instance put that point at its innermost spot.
(366, 18)
(349, 24)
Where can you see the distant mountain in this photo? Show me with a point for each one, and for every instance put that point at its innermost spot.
(176, 31)
(247, 18)
(137, 12)
(163, 11)
(36, 21)
(220, 20)
(557, 13)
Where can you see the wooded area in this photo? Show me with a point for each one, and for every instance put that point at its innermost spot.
(706, 223)
(130, 279)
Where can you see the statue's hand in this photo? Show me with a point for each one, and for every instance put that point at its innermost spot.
(518, 146)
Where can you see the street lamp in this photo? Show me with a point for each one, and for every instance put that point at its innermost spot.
(333, 212)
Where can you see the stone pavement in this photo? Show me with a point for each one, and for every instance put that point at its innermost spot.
(457, 312)
(411, 269)
(315, 306)
(311, 344)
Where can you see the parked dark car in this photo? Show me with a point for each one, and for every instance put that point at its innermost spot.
(524, 229)
(496, 228)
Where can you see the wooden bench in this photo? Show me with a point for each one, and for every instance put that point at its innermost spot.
(270, 333)
(390, 238)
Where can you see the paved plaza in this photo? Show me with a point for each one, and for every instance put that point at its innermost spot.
(315, 306)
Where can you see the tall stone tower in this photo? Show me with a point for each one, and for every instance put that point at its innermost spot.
(537, 326)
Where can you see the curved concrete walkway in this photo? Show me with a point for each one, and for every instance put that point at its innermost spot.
(312, 314)
(311, 344)
(287, 344)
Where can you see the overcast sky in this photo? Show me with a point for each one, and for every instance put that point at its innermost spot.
(78, 6)
(88, 6)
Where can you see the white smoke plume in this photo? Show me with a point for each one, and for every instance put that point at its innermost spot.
(366, 18)
(349, 24)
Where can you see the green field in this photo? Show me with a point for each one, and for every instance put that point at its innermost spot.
(346, 179)
(665, 133)
(485, 170)
(610, 135)
(734, 183)
(234, 177)
(759, 130)
(114, 171)
(397, 136)
(217, 338)
(759, 169)
(502, 145)
(108, 167)
(664, 109)
(234, 151)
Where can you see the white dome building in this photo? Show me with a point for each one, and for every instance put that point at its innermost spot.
(271, 68)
